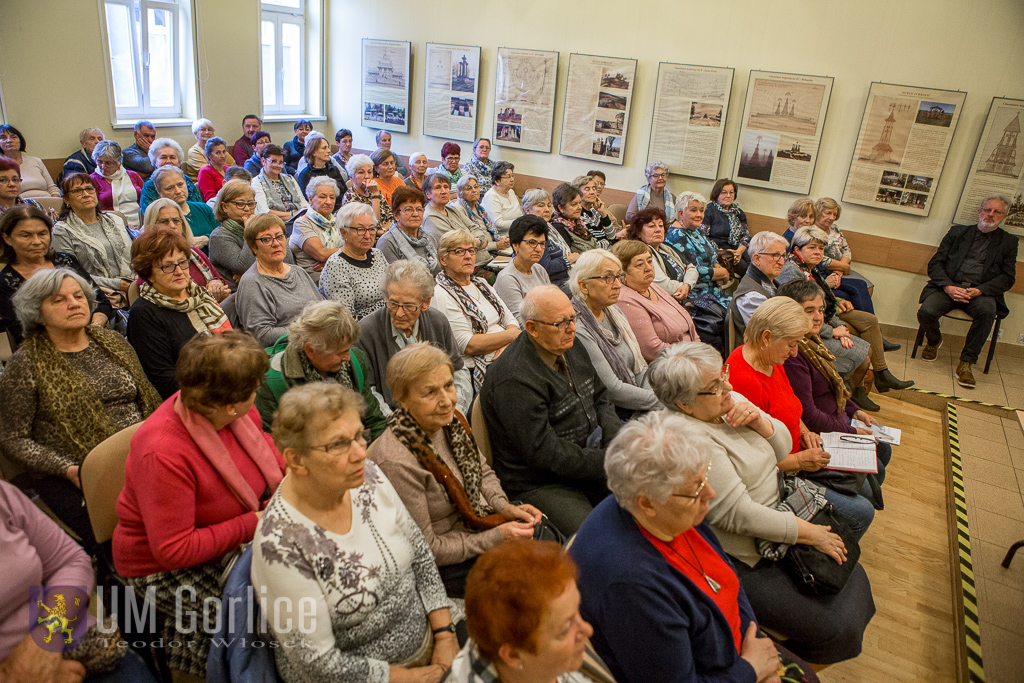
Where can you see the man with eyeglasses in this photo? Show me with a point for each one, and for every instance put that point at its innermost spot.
(768, 256)
(548, 414)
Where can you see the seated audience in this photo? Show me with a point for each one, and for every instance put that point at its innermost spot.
(385, 164)
(164, 213)
(295, 149)
(228, 249)
(431, 458)
(808, 250)
(418, 163)
(171, 308)
(655, 582)
(600, 180)
(319, 348)
(318, 163)
(68, 387)
(439, 218)
(655, 193)
(276, 192)
(522, 614)
(655, 317)
(26, 250)
(481, 322)
(500, 201)
(364, 190)
(407, 238)
(406, 319)
(479, 165)
(529, 237)
(381, 610)
(198, 475)
(605, 333)
(773, 335)
(383, 139)
(36, 552)
(98, 239)
(354, 275)
(451, 153)
(166, 152)
(171, 183)
(568, 204)
(82, 161)
(237, 173)
(343, 138)
(672, 272)
(970, 271)
(254, 164)
(548, 415)
(468, 201)
(272, 292)
(211, 176)
(119, 188)
(243, 149)
(35, 179)
(203, 130)
(10, 186)
(747, 445)
(558, 257)
(725, 224)
(136, 157)
(594, 215)
(315, 234)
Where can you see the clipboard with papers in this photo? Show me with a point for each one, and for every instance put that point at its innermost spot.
(850, 452)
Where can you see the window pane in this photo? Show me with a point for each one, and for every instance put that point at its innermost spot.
(293, 4)
(269, 64)
(122, 64)
(160, 70)
(291, 57)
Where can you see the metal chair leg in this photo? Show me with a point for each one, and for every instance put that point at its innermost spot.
(1011, 552)
(917, 341)
(992, 345)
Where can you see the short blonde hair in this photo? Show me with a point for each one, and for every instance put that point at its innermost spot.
(304, 409)
(231, 191)
(414, 361)
(324, 325)
(454, 239)
(258, 225)
(801, 207)
(627, 250)
(828, 203)
(781, 317)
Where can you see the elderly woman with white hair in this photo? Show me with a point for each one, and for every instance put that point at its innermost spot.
(365, 191)
(558, 255)
(418, 163)
(654, 193)
(119, 188)
(354, 274)
(171, 184)
(500, 201)
(316, 236)
(596, 282)
(167, 152)
(203, 130)
(746, 448)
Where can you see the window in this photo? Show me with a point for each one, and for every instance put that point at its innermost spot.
(290, 48)
(149, 43)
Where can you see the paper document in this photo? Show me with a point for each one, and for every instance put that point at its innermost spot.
(889, 435)
(850, 452)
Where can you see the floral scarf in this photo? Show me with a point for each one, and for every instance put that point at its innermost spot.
(823, 360)
(202, 309)
(738, 234)
(477, 318)
(333, 238)
(575, 227)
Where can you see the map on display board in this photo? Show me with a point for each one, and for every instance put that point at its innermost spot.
(598, 95)
(450, 91)
(385, 84)
(524, 99)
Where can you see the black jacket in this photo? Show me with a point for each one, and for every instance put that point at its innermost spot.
(1000, 263)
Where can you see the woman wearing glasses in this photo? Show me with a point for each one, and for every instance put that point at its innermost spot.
(407, 238)
(746, 446)
(229, 252)
(165, 213)
(656, 318)
(440, 218)
(529, 238)
(655, 193)
(171, 308)
(671, 271)
(500, 202)
(365, 191)
(315, 235)
(272, 292)
(354, 275)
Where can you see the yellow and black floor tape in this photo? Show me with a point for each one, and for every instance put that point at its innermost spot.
(972, 629)
(961, 399)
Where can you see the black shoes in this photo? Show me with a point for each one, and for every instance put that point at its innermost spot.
(885, 380)
(860, 397)
(890, 346)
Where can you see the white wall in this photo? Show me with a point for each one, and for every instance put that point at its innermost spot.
(950, 44)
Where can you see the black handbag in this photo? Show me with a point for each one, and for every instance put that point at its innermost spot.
(815, 572)
(847, 483)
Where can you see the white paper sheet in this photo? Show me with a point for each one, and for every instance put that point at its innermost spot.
(850, 452)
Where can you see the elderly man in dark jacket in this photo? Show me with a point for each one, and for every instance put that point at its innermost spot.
(972, 268)
(548, 414)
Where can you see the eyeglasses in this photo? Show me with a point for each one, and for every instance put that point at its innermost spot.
(168, 221)
(408, 308)
(169, 268)
(507, 176)
(411, 210)
(774, 256)
(609, 279)
(244, 205)
(561, 325)
(660, 176)
(343, 445)
(360, 231)
(463, 251)
(10, 181)
(700, 488)
(533, 244)
(79, 191)
(720, 387)
(267, 241)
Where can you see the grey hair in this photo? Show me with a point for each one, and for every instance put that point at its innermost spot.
(81, 136)
(153, 210)
(588, 265)
(323, 180)
(530, 308)
(761, 242)
(654, 455)
(348, 214)
(355, 162)
(324, 325)
(655, 165)
(464, 180)
(28, 300)
(454, 239)
(412, 273)
(414, 155)
(379, 135)
(199, 123)
(106, 149)
(159, 144)
(143, 124)
(579, 181)
(808, 234)
(684, 199)
(679, 371)
(997, 196)
(158, 175)
(536, 196)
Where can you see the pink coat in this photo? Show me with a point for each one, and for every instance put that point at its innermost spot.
(656, 324)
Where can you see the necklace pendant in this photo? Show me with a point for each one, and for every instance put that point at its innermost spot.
(715, 586)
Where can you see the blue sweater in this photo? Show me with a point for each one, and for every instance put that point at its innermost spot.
(651, 623)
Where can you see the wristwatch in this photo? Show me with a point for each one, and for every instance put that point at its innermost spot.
(450, 628)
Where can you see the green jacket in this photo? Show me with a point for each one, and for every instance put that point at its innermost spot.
(286, 372)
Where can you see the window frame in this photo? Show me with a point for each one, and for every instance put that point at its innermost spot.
(309, 18)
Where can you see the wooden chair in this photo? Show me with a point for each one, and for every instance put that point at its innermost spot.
(102, 475)
(959, 314)
(50, 204)
(133, 293)
(6, 346)
(479, 425)
(618, 211)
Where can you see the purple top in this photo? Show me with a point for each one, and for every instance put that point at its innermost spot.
(821, 413)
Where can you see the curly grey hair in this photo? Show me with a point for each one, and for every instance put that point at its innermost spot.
(655, 165)
(159, 144)
(762, 242)
(106, 149)
(28, 300)
(323, 180)
(684, 199)
(324, 325)
(356, 162)
(409, 273)
(679, 371)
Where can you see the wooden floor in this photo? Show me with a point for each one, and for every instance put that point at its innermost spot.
(906, 555)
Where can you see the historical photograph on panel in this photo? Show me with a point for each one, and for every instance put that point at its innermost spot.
(789, 148)
(887, 130)
(608, 146)
(997, 165)
(524, 98)
(936, 114)
(704, 114)
(614, 78)
(1001, 152)
(385, 68)
(785, 106)
(463, 72)
(757, 155)
(607, 100)
(595, 118)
